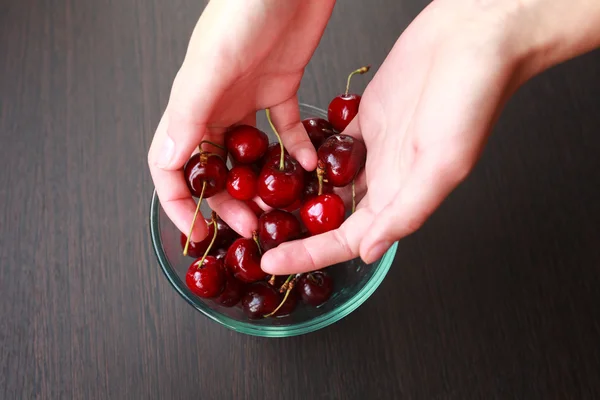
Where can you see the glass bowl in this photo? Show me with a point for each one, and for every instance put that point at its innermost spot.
(354, 280)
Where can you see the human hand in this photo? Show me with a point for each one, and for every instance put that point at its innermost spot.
(243, 56)
(427, 112)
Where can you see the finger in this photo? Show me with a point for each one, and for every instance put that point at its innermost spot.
(175, 197)
(360, 189)
(353, 128)
(286, 118)
(237, 214)
(319, 251)
(434, 175)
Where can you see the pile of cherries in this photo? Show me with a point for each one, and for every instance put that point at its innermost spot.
(226, 268)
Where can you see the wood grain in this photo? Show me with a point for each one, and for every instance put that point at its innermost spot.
(496, 297)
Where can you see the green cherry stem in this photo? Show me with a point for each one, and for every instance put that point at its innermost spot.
(211, 143)
(290, 285)
(281, 156)
(187, 242)
(361, 70)
(214, 223)
(255, 238)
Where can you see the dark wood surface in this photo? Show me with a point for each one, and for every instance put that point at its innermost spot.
(496, 297)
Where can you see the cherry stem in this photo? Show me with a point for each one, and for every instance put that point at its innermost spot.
(353, 196)
(272, 280)
(211, 143)
(361, 70)
(281, 156)
(214, 223)
(290, 286)
(320, 173)
(187, 242)
(255, 238)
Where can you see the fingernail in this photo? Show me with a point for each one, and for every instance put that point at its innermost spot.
(166, 152)
(377, 252)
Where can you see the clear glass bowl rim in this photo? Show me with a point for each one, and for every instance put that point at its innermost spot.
(381, 266)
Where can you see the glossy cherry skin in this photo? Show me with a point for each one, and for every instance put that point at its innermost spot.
(280, 188)
(211, 169)
(259, 300)
(219, 253)
(315, 288)
(232, 292)
(342, 110)
(318, 130)
(323, 213)
(341, 156)
(243, 260)
(246, 144)
(241, 182)
(276, 227)
(311, 186)
(207, 280)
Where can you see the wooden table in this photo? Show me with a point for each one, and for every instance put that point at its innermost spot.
(495, 297)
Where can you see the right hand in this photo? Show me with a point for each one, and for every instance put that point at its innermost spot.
(244, 56)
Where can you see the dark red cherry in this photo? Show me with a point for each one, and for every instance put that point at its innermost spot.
(246, 144)
(276, 227)
(232, 292)
(225, 235)
(206, 280)
(343, 108)
(341, 157)
(255, 208)
(280, 187)
(318, 130)
(205, 167)
(241, 182)
(219, 253)
(315, 288)
(243, 260)
(311, 186)
(323, 213)
(259, 300)
(273, 151)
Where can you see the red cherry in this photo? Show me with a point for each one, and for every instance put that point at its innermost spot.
(273, 152)
(315, 288)
(246, 144)
(232, 292)
(243, 260)
(311, 186)
(260, 299)
(318, 130)
(280, 185)
(255, 208)
(205, 167)
(341, 157)
(276, 227)
(206, 280)
(343, 108)
(323, 213)
(241, 182)
(290, 303)
(225, 236)
(295, 206)
(219, 253)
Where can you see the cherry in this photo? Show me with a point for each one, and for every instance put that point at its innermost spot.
(318, 130)
(343, 108)
(315, 288)
(311, 186)
(289, 305)
(232, 292)
(241, 182)
(341, 157)
(243, 260)
(219, 253)
(280, 181)
(246, 144)
(205, 174)
(323, 213)
(259, 300)
(276, 227)
(206, 277)
(225, 236)
(273, 151)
